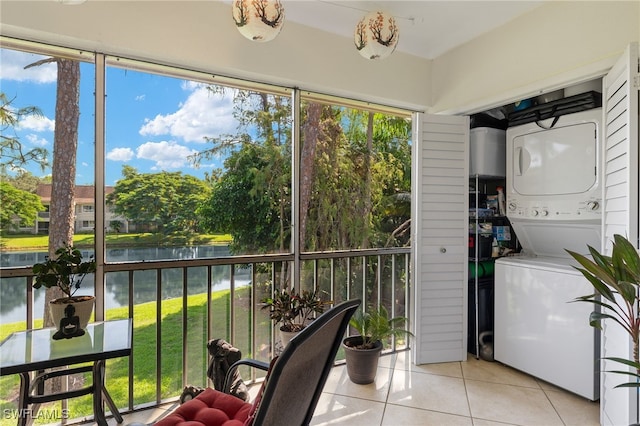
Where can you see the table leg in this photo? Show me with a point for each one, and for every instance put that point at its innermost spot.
(98, 385)
(101, 394)
(23, 400)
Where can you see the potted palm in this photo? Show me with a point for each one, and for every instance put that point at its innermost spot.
(362, 351)
(616, 281)
(66, 271)
(293, 310)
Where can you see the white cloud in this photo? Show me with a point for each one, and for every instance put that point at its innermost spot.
(140, 97)
(120, 154)
(202, 114)
(12, 63)
(37, 140)
(37, 123)
(167, 155)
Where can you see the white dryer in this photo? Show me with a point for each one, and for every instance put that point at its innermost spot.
(554, 192)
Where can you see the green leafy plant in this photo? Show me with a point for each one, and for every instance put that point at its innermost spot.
(66, 271)
(616, 279)
(375, 325)
(293, 309)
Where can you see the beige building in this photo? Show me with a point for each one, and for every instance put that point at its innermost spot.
(84, 220)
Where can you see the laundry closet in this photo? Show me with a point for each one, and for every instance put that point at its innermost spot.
(536, 175)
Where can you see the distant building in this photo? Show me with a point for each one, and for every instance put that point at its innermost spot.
(84, 210)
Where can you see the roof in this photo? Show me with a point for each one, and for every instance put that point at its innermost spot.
(85, 194)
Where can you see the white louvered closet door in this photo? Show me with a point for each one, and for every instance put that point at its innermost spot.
(440, 237)
(620, 106)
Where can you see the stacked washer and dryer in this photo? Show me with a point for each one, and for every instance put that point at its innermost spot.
(553, 190)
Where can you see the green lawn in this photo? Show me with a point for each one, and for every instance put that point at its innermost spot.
(145, 350)
(34, 242)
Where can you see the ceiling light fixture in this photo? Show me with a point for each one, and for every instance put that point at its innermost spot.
(258, 20)
(376, 35)
(72, 2)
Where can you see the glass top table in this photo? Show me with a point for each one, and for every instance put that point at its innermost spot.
(35, 350)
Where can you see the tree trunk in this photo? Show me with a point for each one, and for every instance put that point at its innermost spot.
(65, 144)
(367, 204)
(311, 131)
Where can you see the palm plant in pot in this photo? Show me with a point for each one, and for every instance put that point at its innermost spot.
(362, 351)
(66, 271)
(293, 310)
(616, 281)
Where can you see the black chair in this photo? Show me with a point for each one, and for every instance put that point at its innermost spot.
(293, 384)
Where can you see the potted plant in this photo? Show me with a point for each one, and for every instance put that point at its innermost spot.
(293, 310)
(616, 281)
(362, 351)
(66, 271)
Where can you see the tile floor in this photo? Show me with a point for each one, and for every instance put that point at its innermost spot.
(471, 393)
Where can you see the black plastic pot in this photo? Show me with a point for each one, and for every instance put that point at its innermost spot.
(362, 364)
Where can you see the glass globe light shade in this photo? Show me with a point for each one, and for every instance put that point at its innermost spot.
(258, 20)
(376, 35)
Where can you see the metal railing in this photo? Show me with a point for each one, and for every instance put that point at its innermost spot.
(177, 306)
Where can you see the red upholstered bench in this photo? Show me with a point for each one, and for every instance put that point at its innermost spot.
(211, 408)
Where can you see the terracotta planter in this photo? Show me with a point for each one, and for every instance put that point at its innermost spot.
(362, 364)
(64, 312)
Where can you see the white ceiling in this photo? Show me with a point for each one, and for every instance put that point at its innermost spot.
(427, 28)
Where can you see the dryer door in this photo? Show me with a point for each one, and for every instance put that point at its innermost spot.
(558, 161)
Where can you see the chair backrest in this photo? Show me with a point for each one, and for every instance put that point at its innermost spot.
(298, 376)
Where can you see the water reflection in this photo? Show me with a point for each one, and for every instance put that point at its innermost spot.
(13, 291)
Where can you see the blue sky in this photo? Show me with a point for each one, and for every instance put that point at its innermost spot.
(153, 123)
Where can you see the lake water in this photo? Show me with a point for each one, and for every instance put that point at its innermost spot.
(13, 293)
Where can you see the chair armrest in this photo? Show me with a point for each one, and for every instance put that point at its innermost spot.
(228, 378)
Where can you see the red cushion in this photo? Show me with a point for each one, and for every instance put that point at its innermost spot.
(210, 408)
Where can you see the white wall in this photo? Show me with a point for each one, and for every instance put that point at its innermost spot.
(201, 35)
(559, 43)
(554, 45)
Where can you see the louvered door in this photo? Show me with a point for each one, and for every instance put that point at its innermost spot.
(620, 106)
(440, 223)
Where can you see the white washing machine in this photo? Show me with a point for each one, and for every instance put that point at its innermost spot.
(554, 191)
(540, 330)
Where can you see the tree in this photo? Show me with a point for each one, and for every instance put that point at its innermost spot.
(354, 167)
(168, 200)
(63, 171)
(17, 204)
(235, 205)
(24, 180)
(12, 153)
(252, 198)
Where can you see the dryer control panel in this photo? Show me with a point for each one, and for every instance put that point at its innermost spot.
(554, 210)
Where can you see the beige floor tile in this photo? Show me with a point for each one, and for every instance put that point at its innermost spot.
(481, 422)
(339, 383)
(450, 369)
(429, 392)
(510, 404)
(343, 410)
(395, 415)
(575, 410)
(496, 372)
(387, 361)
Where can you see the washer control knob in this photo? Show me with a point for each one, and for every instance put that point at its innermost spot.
(544, 213)
(512, 206)
(593, 205)
(534, 212)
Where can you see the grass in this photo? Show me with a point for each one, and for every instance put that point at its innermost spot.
(145, 346)
(34, 242)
